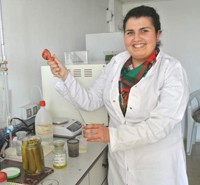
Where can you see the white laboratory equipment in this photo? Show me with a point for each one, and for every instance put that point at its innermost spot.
(107, 43)
(58, 107)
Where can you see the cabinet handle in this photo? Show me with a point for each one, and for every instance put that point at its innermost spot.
(105, 165)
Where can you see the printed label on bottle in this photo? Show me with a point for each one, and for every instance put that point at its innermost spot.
(59, 160)
(44, 129)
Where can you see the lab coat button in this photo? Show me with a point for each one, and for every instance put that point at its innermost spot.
(113, 100)
(131, 108)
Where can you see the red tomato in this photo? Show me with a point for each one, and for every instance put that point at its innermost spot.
(46, 54)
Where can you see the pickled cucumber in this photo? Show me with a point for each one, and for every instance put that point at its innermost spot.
(31, 162)
(38, 159)
(25, 156)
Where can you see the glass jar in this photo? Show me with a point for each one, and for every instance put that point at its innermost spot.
(32, 155)
(20, 136)
(60, 157)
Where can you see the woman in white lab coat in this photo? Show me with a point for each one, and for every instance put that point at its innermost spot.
(145, 92)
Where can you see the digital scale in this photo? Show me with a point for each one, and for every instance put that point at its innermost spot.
(68, 128)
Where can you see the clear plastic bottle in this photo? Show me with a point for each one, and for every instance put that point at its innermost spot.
(44, 124)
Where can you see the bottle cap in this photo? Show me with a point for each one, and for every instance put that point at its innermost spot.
(59, 143)
(11, 172)
(42, 103)
(3, 176)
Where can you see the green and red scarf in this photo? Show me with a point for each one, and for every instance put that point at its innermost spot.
(130, 76)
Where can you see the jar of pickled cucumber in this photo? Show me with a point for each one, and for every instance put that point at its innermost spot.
(60, 156)
(32, 155)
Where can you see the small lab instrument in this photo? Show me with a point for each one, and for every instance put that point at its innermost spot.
(67, 128)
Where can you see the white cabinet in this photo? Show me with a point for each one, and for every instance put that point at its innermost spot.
(85, 181)
(98, 173)
(105, 182)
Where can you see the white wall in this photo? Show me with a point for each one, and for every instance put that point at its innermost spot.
(115, 7)
(118, 15)
(180, 21)
(32, 25)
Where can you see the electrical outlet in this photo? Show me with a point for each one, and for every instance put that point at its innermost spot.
(28, 111)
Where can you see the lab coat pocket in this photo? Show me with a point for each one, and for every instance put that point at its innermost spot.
(142, 100)
(136, 108)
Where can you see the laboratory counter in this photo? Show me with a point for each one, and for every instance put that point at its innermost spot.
(88, 168)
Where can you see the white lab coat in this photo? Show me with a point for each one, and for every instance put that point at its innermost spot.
(146, 146)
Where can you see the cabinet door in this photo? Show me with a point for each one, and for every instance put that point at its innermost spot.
(85, 181)
(105, 182)
(98, 172)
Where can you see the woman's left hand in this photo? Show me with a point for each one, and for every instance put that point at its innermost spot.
(96, 133)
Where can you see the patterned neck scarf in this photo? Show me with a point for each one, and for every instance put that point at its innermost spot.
(130, 76)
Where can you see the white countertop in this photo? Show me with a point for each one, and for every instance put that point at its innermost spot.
(76, 167)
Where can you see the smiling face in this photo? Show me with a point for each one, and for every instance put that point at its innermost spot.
(140, 38)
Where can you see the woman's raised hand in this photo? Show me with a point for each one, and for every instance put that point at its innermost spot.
(57, 68)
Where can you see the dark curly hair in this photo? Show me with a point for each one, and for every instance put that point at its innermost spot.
(144, 11)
